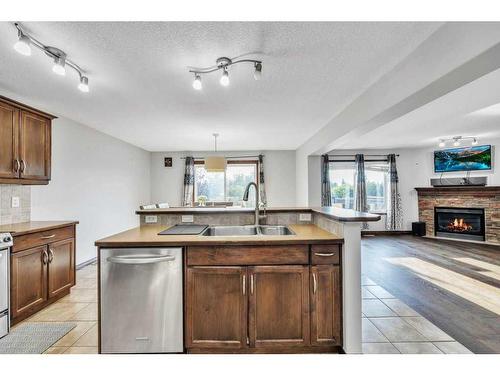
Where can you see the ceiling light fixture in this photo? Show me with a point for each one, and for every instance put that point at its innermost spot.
(223, 63)
(23, 46)
(215, 163)
(224, 79)
(457, 140)
(197, 82)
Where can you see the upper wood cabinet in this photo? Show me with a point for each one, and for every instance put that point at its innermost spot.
(25, 144)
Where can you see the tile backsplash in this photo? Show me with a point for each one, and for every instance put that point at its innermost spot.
(10, 215)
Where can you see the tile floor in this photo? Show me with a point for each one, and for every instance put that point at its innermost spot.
(392, 327)
(80, 307)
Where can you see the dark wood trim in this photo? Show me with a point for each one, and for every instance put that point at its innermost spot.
(26, 107)
(20, 181)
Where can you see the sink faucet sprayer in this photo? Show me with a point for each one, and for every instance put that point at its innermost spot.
(245, 198)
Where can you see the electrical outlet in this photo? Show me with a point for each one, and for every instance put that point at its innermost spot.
(149, 219)
(15, 202)
(304, 217)
(187, 218)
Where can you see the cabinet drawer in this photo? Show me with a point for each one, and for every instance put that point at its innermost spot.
(246, 255)
(28, 241)
(325, 254)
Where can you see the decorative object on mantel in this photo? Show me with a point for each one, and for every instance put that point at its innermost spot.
(223, 63)
(215, 163)
(457, 140)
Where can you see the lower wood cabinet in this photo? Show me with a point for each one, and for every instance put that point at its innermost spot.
(279, 306)
(325, 305)
(42, 274)
(216, 314)
(262, 308)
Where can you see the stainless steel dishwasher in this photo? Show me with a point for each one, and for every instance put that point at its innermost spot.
(141, 300)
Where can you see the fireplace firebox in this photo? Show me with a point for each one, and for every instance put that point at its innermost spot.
(460, 223)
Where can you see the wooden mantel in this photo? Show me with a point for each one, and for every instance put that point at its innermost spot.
(458, 189)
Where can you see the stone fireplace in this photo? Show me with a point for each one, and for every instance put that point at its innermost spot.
(475, 208)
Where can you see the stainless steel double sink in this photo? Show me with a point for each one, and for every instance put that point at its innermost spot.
(248, 230)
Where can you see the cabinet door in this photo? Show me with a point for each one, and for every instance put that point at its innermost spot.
(9, 128)
(28, 280)
(279, 306)
(216, 307)
(61, 267)
(34, 146)
(325, 305)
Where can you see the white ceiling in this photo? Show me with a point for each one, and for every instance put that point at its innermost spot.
(141, 91)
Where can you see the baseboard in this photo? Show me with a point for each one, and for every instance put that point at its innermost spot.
(86, 263)
(384, 232)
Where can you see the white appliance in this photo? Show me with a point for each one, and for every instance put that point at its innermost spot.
(141, 300)
(5, 245)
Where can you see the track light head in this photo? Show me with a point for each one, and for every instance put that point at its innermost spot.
(257, 74)
(456, 143)
(23, 45)
(83, 86)
(224, 79)
(59, 65)
(474, 141)
(197, 85)
(442, 143)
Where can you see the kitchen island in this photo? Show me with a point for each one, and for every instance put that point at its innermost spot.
(298, 293)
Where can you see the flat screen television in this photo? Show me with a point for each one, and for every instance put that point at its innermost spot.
(473, 158)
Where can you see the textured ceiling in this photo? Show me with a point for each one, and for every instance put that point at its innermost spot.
(141, 91)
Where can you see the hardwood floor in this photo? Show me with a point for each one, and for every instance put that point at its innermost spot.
(455, 285)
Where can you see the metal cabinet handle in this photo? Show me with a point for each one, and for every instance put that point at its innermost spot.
(251, 284)
(45, 257)
(24, 165)
(51, 255)
(244, 284)
(134, 259)
(17, 165)
(47, 237)
(324, 254)
(315, 284)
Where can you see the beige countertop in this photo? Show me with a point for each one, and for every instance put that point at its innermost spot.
(27, 227)
(335, 213)
(147, 235)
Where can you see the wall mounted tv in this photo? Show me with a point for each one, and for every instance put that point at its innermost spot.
(473, 158)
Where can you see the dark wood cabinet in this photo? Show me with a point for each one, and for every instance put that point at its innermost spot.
(42, 270)
(25, 141)
(279, 306)
(216, 314)
(236, 305)
(61, 262)
(34, 146)
(28, 280)
(325, 305)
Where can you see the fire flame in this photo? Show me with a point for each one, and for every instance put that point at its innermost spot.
(459, 225)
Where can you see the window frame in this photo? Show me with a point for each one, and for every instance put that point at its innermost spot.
(230, 161)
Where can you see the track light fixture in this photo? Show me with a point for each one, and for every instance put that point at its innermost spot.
(23, 46)
(223, 63)
(457, 140)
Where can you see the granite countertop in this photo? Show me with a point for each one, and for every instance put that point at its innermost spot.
(339, 214)
(27, 227)
(147, 235)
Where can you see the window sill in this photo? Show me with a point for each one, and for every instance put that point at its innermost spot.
(378, 213)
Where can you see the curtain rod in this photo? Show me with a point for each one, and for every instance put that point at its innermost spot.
(227, 157)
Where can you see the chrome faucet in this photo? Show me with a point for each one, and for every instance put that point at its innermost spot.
(245, 198)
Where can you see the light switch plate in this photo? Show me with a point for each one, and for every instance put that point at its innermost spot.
(149, 219)
(187, 218)
(304, 217)
(15, 202)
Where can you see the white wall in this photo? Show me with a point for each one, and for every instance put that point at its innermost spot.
(279, 167)
(97, 180)
(415, 169)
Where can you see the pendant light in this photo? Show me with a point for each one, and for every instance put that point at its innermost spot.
(215, 163)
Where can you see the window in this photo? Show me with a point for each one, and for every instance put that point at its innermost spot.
(227, 186)
(342, 183)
